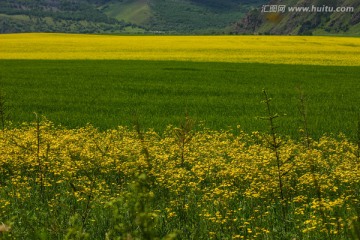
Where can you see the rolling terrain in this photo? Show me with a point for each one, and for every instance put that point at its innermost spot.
(177, 17)
(303, 23)
(125, 16)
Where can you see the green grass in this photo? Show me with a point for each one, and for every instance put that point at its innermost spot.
(111, 93)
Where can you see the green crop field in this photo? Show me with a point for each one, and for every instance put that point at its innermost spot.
(158, 93)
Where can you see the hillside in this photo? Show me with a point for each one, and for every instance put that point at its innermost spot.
(119, 16)
(56, 16)
(177, 17)
(303, 23)
(199, 16)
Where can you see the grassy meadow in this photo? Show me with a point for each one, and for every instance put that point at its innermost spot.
(161, 137)
(222, 95)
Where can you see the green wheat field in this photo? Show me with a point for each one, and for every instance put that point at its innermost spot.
(158, 93)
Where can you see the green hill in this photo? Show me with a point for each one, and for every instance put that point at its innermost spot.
(81, 16)
(134, 11)
(182, 16)
(303, 23)
(198, 16)
(177, 17)
(119, 16)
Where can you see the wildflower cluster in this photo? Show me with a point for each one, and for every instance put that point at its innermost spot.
(193, 184)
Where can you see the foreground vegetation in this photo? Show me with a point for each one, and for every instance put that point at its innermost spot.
(59, 183)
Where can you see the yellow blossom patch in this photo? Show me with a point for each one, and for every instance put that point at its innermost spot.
(227, 182)
(334, 51)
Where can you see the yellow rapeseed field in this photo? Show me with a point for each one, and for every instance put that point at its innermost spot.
(342, 51)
